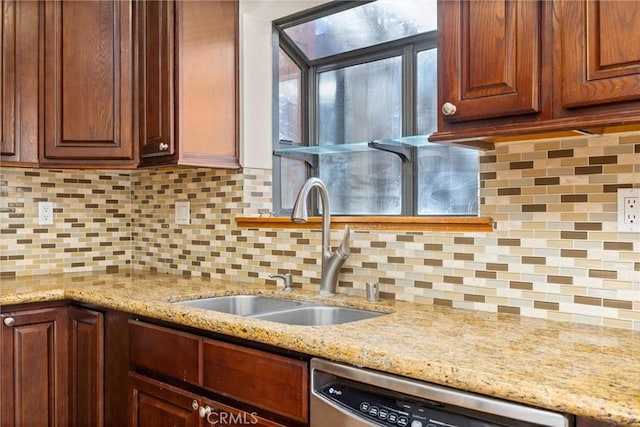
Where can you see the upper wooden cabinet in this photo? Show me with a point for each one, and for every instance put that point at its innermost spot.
(156, 39)
(87, 99)
(119, 83)
(507, 85)
(19, 81)
(189, 83)
(512, 68)
(597, 55)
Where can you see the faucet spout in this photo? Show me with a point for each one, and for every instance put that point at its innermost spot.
(331, 262)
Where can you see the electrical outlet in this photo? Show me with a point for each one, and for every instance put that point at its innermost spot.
(629, 210)
(45, 213)
(182, 213)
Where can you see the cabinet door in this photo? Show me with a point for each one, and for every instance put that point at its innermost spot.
(88, 81)
(33, 367)
(155, 404)
(217, 414)
(488, 59)
(157, 81)
(19, 81)
(86, 406)
(208, 114)
(599, 44)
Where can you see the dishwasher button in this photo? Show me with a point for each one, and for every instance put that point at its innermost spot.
(392, 417)
(364, 406)
(373, 411)
(383, 414)
(416, 423)
(403, 421)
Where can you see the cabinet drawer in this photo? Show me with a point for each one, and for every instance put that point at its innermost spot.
(275, 383)
(164, 351)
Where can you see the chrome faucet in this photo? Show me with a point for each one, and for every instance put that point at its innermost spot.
(331, 262)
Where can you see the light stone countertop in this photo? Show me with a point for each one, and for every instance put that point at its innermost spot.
(573, 368)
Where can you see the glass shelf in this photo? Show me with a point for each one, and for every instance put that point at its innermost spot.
(402, 146)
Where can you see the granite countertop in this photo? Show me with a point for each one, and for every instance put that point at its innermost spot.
(579, 369)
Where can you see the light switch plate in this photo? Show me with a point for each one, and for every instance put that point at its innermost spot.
(182, 213)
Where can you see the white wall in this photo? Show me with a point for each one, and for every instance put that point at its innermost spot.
(256, 75)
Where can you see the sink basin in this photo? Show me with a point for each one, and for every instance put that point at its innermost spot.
(318, 315)
(242, 305)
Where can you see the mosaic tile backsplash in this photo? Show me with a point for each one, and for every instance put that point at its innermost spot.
(555, 253)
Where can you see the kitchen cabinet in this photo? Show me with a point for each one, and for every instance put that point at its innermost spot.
(19, 82)
(156, 37)
(34, 367)
(249, 381)
(189, 83)
(86, 359)
(158, 404)
(87, 101)
(597, 58)
(511, 68)
(589, 422)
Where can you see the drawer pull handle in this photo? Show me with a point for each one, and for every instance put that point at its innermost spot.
(9, 321)
(203, 411)
(163, 146)
(195, 405)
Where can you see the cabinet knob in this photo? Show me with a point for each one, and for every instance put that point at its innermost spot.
(448, 109)
(203, 411)
(163, 146)
(9, 321)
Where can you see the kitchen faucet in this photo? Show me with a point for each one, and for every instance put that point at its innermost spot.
(331, 262)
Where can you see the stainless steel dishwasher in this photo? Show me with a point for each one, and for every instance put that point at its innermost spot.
(345, 396)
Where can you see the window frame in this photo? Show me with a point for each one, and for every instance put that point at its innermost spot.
(407, 48)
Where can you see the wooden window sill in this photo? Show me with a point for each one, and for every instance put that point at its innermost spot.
(386, 223)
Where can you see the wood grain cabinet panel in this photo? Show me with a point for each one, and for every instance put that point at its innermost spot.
(208, 106)
(156, 42)
(164, 351)
(87, 354)
(156, 404)
(272, 382)
(34, 368)
(600, 52)
(19, 21)
(489, 70)
(88, 82)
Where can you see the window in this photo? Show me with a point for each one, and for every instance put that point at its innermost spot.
(354, 80)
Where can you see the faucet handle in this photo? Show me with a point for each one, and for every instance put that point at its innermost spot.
(344, 250)
(286, 278)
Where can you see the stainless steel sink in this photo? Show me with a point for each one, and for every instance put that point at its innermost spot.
(281, 310)
(318, 315)
(242, 305)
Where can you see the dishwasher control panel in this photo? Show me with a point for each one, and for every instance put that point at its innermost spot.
(396, 411)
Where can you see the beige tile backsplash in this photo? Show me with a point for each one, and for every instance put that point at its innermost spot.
(555, 254)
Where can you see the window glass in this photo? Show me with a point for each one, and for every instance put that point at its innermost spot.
(427, 92)
(447, 180)
(292, 171)
(361, 102)
(362, 26)
(363, 183)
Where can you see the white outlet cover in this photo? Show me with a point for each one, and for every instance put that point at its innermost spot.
(45, 213)
(624, 209)
(182, 213)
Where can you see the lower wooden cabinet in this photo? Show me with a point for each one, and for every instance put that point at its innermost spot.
(156, 404)
(52, 367)
(270, 387)
(34, 385)
(86, 357)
